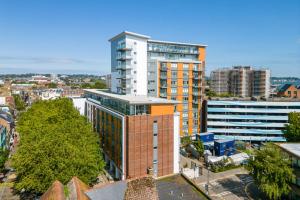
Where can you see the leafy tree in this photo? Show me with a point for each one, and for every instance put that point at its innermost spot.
(185, 141)
(52, 85)
(56, 143)
(99, 85)
(3, 158)
(199, 147)
(271, 171)
(19, 103)
(292, 130)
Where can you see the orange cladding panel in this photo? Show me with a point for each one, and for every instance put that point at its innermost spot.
(162, 110)
(201, 53)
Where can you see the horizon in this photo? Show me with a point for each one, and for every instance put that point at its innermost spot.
(66, 37)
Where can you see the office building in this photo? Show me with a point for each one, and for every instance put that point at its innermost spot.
(139, 135)
(249, 120)
(241, 81)
(171, 70)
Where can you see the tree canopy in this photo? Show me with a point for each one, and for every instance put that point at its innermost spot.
(198, 144)
(271, 171)
(19, 103)
(292, 130)
(97, 85)
(56, 143)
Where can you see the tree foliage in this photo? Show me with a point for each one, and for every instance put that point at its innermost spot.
(52, 85)
(3, 157)
(185, 141)
(292, 130)
(56, 144)
(271, 171)
(198, 144)
(97, 85)
(19, 103)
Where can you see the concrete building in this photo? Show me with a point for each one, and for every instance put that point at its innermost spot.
(249, 120)
(241, 81)
(170, 70)
(139, 135)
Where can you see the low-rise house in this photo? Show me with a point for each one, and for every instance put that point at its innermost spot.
(289, 91)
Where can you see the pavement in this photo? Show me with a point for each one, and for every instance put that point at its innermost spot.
(234, 184)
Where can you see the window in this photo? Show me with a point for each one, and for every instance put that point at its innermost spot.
(134, 62)
(134, 72)
(173, 82)
(134, 53)
(185, 66)
(173, 98)
(173, 90)
(134, 81)
(174, 65)
(185, 90)
(174, 73)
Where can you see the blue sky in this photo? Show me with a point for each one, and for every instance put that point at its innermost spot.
(71, 36)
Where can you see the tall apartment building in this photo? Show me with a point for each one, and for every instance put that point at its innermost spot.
(170, 70)
(242, 81)
(249, 120)
(139, 135)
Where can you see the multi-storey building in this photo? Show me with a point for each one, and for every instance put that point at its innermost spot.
(249, 120)
(170, 70)
(138, 134)
(241, 81)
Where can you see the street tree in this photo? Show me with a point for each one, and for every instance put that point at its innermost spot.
(292, 129)
(271, 171)
(56, 143)
(198, 144)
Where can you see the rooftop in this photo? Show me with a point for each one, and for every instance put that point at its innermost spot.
(129, 33)
(132, 99)
(255, 100)
(178, 43)
(153, 41)
(293, 148)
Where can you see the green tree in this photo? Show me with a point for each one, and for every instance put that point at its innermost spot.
(292, 130)
(52, 85)
(99, 85)
(185, 141)
(271, 171)
(19, 103)
(3, 158)
(198, 144)
(57, 143)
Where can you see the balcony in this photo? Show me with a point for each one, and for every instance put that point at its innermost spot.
(197, 77)
(163, 95)
(164, 69)
(123, 47)
(123, 67)
(163, 76)
(196, 85)
(124, 57)
(196, 101)
(197, 69)
(196, 93)
(163, 86)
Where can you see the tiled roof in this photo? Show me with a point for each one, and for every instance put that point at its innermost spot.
(56, 191)
(285, 87)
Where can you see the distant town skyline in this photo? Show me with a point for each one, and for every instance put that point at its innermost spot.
(69, 37)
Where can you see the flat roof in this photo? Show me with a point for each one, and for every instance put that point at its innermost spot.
(132, 99)
(179, 43)
(129, 33)
(293, 148)
(153, 41)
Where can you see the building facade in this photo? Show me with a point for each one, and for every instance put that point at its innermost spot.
(249, 120)
(292, 151)
(241, 81)
(170, 70)
(139, 135)
(289, 91)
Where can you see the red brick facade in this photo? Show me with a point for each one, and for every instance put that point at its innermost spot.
(139, 144)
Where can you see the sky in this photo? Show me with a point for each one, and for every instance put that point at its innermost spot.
(71, 36)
